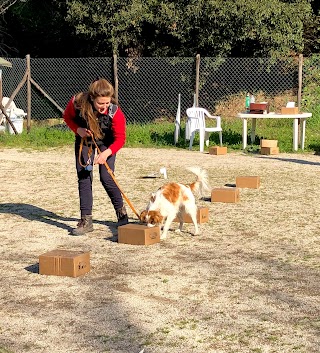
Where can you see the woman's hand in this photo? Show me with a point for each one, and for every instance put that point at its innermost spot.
(83, 132)
(102, 157)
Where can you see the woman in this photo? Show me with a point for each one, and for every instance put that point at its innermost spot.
(94, 112)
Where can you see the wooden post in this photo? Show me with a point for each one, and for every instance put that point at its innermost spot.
(115, 73)
(1, 86)
(300, 91)
(197, 78)
(28, 94)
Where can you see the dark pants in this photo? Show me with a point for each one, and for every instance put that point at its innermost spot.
(85, 181)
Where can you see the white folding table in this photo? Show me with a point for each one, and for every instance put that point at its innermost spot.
(303, 117)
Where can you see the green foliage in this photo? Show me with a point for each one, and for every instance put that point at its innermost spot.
(163, 27)
(184, 28)
(160, 135)
(38, 138)
(259, 28)
(311, 87)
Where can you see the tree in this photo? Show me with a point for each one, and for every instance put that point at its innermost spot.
(4, 7)
(312, 31)
(245, 28)
(164, 27)
(6, 4)
(39, 28)
(184, 28)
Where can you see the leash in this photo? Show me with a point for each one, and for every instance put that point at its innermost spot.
(88, 165)
(111, 174)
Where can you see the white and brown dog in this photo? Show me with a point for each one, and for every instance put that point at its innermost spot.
(175, 200)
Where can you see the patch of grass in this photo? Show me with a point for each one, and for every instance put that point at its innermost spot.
(38, 138)
(187, 324)
(3, 350)
(161, 135)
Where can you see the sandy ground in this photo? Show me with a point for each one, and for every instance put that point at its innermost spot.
(249, 283)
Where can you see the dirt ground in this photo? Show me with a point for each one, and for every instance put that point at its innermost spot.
(248, 283)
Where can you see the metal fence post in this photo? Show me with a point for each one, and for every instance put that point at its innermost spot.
(197, 78)
(300, 80)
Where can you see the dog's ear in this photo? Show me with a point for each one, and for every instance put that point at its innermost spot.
(158, 218)
(155, 217)
(142, 216)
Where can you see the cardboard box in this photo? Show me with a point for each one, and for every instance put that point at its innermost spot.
(250, 182)
(218, 150)
(268, 143)
(225, 195)
(202, 216)
(269, 150)
(64, 263)
(286, 110)
(138, 234)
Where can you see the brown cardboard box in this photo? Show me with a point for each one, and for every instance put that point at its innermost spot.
(218, 150)
(250, 182)
(64, 263)
(269, 150)
(286, 110)
(138, 234)
(225, 195)
(202, 216)
(268, 143)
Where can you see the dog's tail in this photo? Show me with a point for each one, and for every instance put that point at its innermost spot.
(201, 185)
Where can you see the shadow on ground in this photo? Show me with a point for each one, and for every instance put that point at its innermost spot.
(35, 213)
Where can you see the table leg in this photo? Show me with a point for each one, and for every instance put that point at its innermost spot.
(303, 132)
(244, 133)
(253, 130)
(295, 134)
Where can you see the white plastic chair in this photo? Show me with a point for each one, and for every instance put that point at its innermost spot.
(196, 122)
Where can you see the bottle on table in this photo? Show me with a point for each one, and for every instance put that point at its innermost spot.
(247, 103)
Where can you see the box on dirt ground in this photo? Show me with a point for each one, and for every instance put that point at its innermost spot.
(218, 150)
(64, 263)
(202, 216)
(138, 234)
(268, 143)
(250, 182)
(269, 150)
(231, 195)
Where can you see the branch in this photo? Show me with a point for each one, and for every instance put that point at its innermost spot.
(5, 4)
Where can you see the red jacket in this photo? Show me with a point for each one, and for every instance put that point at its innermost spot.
(118, 126)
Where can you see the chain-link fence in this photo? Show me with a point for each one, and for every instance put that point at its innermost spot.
(148, 88)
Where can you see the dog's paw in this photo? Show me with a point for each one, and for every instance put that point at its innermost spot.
(196, 234)
(178, 231)
(163, 236)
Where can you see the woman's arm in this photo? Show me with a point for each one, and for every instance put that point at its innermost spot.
(119, 131)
